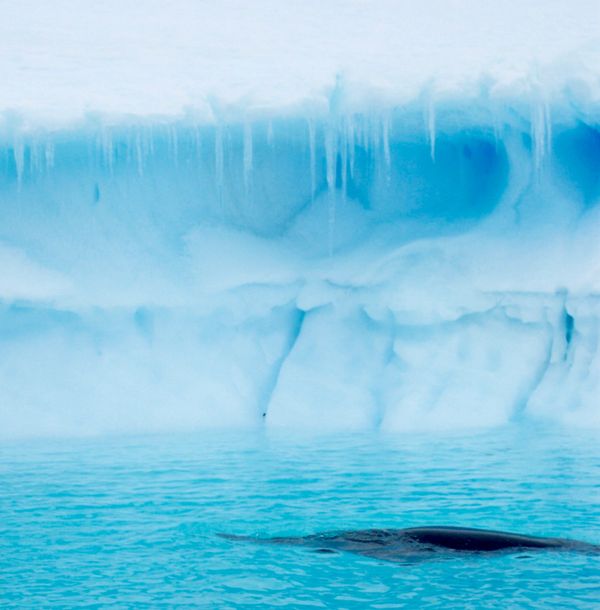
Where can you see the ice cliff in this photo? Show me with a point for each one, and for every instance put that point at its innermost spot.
(334, 248)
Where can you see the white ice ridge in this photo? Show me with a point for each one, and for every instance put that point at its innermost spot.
(63, 60)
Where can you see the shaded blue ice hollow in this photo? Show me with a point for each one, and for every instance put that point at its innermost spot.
(175, 176)
(155, 182)
(577, 152)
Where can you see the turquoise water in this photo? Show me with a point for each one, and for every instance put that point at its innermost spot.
(131, 522)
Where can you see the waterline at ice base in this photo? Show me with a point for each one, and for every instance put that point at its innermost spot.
(366, 242)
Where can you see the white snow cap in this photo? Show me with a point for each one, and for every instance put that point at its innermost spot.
(66, 58)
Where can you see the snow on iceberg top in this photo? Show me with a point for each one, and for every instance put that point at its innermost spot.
(66, 59)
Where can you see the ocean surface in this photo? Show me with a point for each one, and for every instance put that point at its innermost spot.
(131, 522)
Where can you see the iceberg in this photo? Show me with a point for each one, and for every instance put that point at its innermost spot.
(342, 247)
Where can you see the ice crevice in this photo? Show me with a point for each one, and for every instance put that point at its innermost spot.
(481, 369)
(293, 338)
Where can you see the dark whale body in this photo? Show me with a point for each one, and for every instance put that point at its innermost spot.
(423, 542)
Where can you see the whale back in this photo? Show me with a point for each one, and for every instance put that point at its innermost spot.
(416, 542)
(471, 539)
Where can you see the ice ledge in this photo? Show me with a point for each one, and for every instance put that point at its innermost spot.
(431, 106)
(333, 367)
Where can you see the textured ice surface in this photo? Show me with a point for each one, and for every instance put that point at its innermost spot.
(367, 217)
(63, 59)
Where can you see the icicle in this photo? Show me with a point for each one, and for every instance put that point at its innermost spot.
(34, 159)
(537, 137)
(151, 142)
(197, 143)
(139, 156)
(219, 161)
(385, 129)
(357, 133)
(107, 150)
(331, 160)
(313, 161)
(247, 155)
(174, 144)
(366, 134)
(541, 134)
(331, 156)
(497, 134)
(49, 155)
(351, 144)
(431, 128)
(19, 155)
(374, 135)
(548, 130)
(344, 157)
(146, 139)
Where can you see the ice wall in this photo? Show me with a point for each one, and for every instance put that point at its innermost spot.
(342, 270)
(325, 215)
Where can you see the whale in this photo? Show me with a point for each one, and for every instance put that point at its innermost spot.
(399, 545)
